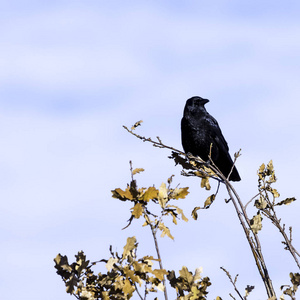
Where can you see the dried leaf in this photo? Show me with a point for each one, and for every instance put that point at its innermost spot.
(275, 193)
(194, 212)
(165, 230)
(256, 224)
(209, 200)
(122, 195)
(160, 287)
(270, 167)
(180, 212)
(205, 183)
(197, 275)
(261, 168)
(128, 289)
(137, 170)
(260, 203)
(71, 283)
(150, 193)
(137, 210)
(248, 290)
(186, 274)
(163, 195)
(179, 193)
(110, 263)
(136, 124)
(130, 245)
(159, 273)
(287, 201)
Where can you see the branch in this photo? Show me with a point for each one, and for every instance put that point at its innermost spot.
(254, 242)
(233, 282)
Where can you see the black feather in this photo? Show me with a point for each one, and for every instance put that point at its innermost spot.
(199, 130)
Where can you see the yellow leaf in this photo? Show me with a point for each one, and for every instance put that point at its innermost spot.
(159, 273)
(205, 183)
(137, 210)
(180, 193)
(160, 287)
(195, 293)
(130, 274)
(137, 170)
(136, 124)
(186, 274)
(130, 245)
(261, 203)
(275, 193)
(209, 201)
(255, 223)
(128, 289)
(104, 295)
(270, 167)
(261, 168)
(165, 230)
(150, 193)
(110, 263)
(122, 195)
(180, 212)
(194, 212)
(287, 201)
(163, 195)
(197, 275)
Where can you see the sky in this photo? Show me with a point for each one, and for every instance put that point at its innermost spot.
(73, 72)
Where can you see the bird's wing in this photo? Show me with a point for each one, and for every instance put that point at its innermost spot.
(216, 133)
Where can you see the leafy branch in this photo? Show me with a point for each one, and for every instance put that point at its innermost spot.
(197, 167)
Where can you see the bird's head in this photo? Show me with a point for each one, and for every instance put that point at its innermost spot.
(195, 105)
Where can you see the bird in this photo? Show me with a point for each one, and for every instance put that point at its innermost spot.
(201, 135)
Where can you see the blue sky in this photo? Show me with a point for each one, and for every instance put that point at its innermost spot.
(73, 72)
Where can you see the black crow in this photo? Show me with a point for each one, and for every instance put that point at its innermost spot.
(199, 130)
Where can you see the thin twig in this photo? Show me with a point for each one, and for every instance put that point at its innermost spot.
(233, 282)
(250, 200)
(159, 257)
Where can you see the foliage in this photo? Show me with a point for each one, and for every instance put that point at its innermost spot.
(127, 275)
